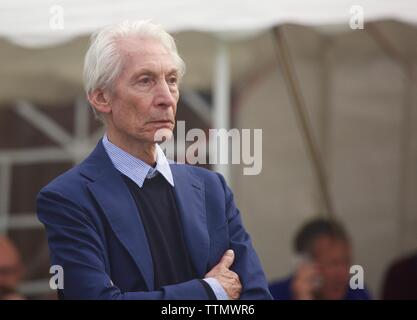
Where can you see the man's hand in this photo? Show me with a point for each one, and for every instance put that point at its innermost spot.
(306, 282)
(227, 278)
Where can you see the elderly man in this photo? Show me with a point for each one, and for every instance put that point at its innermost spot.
(126, 224)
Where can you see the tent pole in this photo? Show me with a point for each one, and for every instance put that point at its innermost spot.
(325, 125)
(5, 187)
(301, 113)
(325, 110)
(221, 112)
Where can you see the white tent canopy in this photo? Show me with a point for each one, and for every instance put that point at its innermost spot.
(41, 61)
(29, 22)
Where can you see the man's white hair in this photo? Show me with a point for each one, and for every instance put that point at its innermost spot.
(103, 61)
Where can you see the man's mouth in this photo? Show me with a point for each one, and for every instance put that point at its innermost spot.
(162, 123)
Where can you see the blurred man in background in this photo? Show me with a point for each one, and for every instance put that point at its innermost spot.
(324, 255)
(11, 270)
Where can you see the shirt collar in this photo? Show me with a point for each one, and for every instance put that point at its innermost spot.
(134, 168)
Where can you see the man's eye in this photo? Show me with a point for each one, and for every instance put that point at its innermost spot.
(172, 80)
(145, 80)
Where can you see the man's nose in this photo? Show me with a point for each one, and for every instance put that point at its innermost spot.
(164, 96)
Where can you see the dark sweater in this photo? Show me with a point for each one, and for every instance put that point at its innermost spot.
(159, 214)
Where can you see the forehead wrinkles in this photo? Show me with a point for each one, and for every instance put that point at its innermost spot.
(145, 52)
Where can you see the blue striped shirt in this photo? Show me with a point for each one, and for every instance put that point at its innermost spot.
(136, 169)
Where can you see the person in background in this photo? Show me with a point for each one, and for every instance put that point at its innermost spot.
(401, 279)
(11, 270)
(324, 255)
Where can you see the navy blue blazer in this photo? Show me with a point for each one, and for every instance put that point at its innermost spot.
(95, 233)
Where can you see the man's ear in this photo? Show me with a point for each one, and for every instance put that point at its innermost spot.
(100, 100)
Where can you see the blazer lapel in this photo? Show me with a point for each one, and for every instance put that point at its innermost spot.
(116, 201)
(190, 197)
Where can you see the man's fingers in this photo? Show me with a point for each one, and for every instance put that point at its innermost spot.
(227, 259)
(230, 275)
(233, 287)
(308, 272)
(228, 279)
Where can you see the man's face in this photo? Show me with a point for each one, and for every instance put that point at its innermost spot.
(333, 257)
(144, 98)
(10, 267)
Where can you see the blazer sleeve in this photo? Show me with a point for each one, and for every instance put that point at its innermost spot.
(75, 245)
(247, 264)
